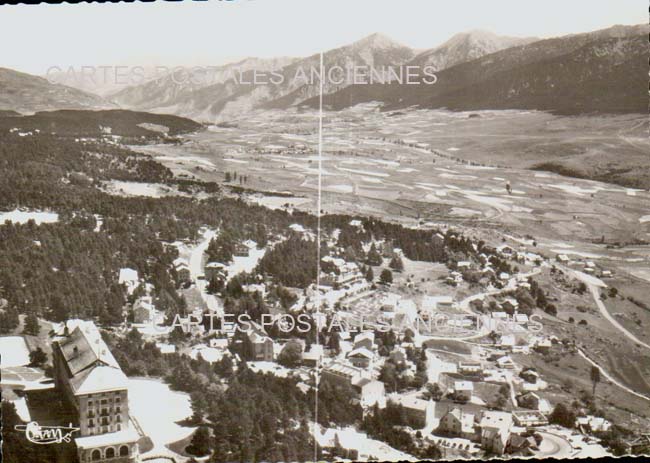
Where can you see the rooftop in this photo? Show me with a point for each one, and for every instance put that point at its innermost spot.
(112, 438)
(90, 364)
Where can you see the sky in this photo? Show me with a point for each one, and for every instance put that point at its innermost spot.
(34, 38)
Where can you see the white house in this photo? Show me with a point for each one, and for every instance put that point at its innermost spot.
(464, 390)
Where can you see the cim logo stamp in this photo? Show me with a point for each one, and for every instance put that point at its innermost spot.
(42, 435)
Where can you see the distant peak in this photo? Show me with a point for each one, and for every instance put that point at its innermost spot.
(377, 40)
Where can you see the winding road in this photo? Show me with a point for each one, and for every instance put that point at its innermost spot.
(594, 284)
(610, 378)
(196, 269)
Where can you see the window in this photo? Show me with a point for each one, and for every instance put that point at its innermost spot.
(96, 455)
(124, 451)
(90, 403)
(118, 427)
(91, 423)
(118, 410)
(118, 399)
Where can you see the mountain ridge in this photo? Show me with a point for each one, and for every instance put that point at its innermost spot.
(26, 93)
(511, 70)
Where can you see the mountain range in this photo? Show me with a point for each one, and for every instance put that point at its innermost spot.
(602, 71)
(26, 93)
(605, 70)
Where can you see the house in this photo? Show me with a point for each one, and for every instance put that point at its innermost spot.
(338, 273)
(420, 413)
(495, 431)
(207, 353)
(529, 419)
(89, 378)
(457, 423)
(522, 444)
(436, 366)
(505, 250)
(215, 270)
(241, 250)
(506, 363)
(262, 346)
(467, 367)
(165, 348)
(182, 269)
(463, 391)
(219, 343)
(638, 445)
(504, 276)
(370, 392)
(507, 341)
(143, 310)
(464, 265)
(529, 375)
(589, 424)
(398, 355)
(365, 340)
(129, 278)
(521, 319)
(543, 346)
(255, 288)
(313, 356)
(339, 372)
(510, 305)
(563, 258)
(455, 278)
(529, 400)
(360, 357)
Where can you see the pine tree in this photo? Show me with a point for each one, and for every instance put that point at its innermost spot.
(201, 442)
(595, 378)
(396, 264)
(37, 357)
(386, 276)
(31, 325)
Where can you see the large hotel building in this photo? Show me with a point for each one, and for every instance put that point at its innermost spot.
(93, 383)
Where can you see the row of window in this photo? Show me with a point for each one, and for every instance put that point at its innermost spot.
(96, 454)
(104, 429)
(105, 401)
(105, 411)
(104, 422)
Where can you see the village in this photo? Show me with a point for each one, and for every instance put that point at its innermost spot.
(449, 363)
